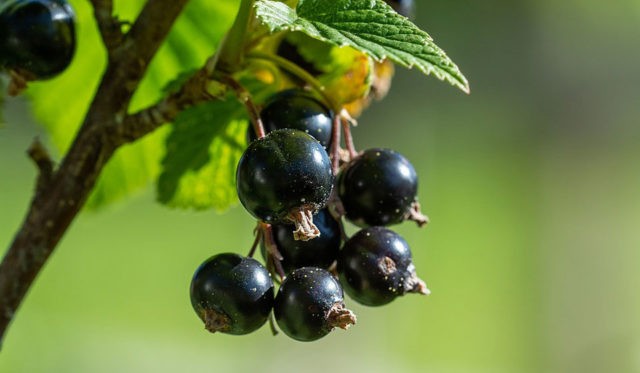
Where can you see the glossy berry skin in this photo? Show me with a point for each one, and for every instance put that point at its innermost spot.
(37, 37)
(378, 188)
(403, 7)
(232, 294)
(375, 267)
(298, 110)
(304, 301)
(320, 252)
(285, 171)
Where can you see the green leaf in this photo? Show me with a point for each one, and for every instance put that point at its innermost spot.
(370, 26)
(61, 103)
(203, 150)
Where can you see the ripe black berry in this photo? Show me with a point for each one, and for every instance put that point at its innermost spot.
(378, 188)
(319, 252)
(285, 177)
(232, 294)
(310, 304)
(404, 7)
(375, 267)
(37, 37)
(298, 110)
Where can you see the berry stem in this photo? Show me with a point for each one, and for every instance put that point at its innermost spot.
(272, 325)
(335, 145)
(272, 249)
(256, 241)
(245, 98)
(336, 209)
(348, 138)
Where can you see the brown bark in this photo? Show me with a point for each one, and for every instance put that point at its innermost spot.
(61, 194)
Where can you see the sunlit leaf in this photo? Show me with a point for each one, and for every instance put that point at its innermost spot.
(203, 149)
(371, 26)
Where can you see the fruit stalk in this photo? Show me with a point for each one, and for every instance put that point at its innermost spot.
(348, 138)
(245, 98)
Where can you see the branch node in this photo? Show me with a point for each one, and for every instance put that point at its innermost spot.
(40, 156)
(110, 26)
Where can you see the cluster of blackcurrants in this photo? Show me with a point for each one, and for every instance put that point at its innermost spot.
(286, 180)
(37, 38)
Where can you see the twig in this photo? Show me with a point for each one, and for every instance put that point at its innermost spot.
(54, 208)
(41, 158)
(110, 28)
(145, 121)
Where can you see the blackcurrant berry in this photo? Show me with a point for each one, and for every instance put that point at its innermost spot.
(285, 177)
(298, 110)
(37, 37)
(232, 294)
(378, 188)
(375, 267)
(310, 304)
(319, 252)
(403, 7)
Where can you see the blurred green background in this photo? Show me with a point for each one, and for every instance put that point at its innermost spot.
(532, 183)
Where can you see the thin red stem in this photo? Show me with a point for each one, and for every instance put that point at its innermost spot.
(256, 241)
(348, 138)
(245, 98)
(272, 249)
(335, 144)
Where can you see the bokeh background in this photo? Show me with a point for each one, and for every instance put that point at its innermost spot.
(532, 183)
